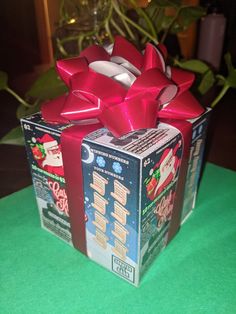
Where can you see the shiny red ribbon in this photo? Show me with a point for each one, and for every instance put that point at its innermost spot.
(158, 91)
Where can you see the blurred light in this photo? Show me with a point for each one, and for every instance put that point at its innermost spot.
(71, 21)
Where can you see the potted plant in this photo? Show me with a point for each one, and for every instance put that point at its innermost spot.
(139, 21)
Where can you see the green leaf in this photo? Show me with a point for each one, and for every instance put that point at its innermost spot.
(162, 21)
(220, 95)
(157, 16)
(231, 78)
(23, 111)
(207, 82)
(14, 137)
(158, 19)
(193, 65)
(188, 15)
(166, 21)
(47, 86)
(3, 80)
(228, 62)
(156, 12)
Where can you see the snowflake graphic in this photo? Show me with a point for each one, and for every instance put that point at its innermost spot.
(117, 167)
(100, 161)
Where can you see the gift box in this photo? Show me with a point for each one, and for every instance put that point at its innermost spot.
(116, 162)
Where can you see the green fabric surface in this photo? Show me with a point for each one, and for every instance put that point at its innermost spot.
(196, 273)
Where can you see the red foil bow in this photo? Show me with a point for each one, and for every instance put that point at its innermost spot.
(124, 90)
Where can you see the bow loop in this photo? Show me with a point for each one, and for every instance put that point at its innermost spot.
(115, 71)
(126, 50)
(184, 79)
(155, 83)
(88, 96)
(126, 64)
(51, 110)
(153, 58)
(183, 107)
(68, 67)
(122, 118)
(95, 53)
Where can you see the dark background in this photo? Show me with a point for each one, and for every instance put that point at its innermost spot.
(19, 55)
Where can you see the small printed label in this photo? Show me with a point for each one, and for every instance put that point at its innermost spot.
(123, 269)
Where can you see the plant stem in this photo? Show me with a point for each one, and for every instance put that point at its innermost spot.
(117, 27)
(220, 95)
(128, 29)
(107, 21)
(126, 25)
(62, 12)
(76, 37)
(21, 100)
(147, 20)
(153, 17)
(61, 48)
(139, 28)
(170, 25)
(107, 28)
(221, 79)
(80, 42)
(98, 39)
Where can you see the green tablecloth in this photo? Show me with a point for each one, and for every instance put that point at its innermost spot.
(196, 273)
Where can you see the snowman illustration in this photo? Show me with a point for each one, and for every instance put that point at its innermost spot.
(163, 172)
(51, 156)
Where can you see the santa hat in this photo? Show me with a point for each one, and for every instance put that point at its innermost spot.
(166, 156)
(48, 141)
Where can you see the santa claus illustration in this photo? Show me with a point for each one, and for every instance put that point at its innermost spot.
(52, 161)
(163, 172)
